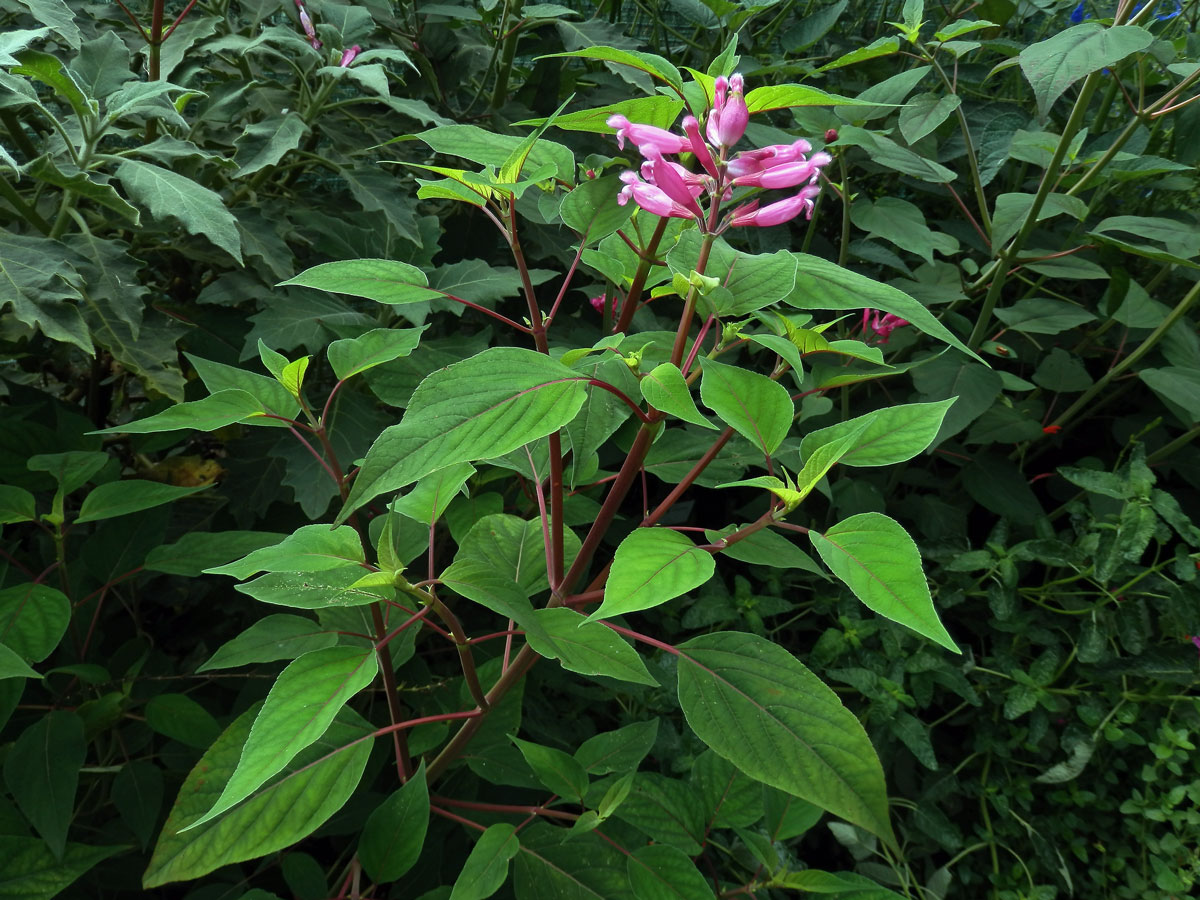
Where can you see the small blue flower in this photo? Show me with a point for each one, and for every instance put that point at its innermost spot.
(1078, 14)
(1163, 17)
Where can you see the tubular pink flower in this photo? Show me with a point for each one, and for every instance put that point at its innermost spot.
(348, 55)
(703, 155)
(749, 161)
(647, 137)
(777, 213)
(651, 198)
(734, 115)
(670, 183)
(307, 25)
(882, 325)
(785, 175)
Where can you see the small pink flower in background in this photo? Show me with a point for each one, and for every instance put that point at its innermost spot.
(883, 325)
(1195, 639)
(306, 22)
(664, 187)
(598, 304)
(348, 55)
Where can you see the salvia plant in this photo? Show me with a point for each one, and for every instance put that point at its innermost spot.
(626, 425)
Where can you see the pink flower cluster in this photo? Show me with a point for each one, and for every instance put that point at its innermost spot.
(882, 324)
(666, 188)
(310, 32)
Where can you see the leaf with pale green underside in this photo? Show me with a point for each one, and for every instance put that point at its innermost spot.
(41, 770)
(278, 636)
(301, 705)
(45, 169)
(821, 284)
(49, 70)
(394, 834)
(486, 868)
(892, 434)
(881, 564)
(760, 708)
(758, 408)
(663, 872)
(317, 590)
(824, 457)
(285, 810)
(213, 412)
(311, 548)
(31, 871)
(665, 388)
(1053, 65)
(589, 649)
(351, 356)
(483, 407)
(169, 195)
(265, 143)
(39, 281)
(120, 498)
(33, 619)
(652, 566)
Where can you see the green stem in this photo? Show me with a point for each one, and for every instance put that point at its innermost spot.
(27, 212)
(507, 55)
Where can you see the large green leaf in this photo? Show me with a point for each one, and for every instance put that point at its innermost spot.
(279, 636)
(1053, 65)
(353, 355)
(197, 551)
(760, 409)
(394, 833)
(485, 406)
(12, 666)
(301, 705)
(120, 498)
(213, 412)
(514, 547)
(881, 564)
(42, 773)
(893, 434)
(317, 590)
(311, 548)
(486, 147)
(430, 496)
(382, 280)
(486, 868)
(33, 619)
(285, 810)
(38, 279)
(584, 868)
(169, 195)
(590, 649)
(16, 505)
(665, 388)
(663, 872)
(653, 65)
(592, 210)
(821, 284)
(787, 96)
(557, 770)
(32, 872)
(752, 280)
(760, 708)
(652, 566)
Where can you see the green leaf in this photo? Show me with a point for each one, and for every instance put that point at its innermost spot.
(589, 649)
(821, 284)
(903, 224)
(760, 708)
(272, 396)
(137, 793)
(477, 580)
(618, 751)
(1013, 209)
(39, 281)
(50, 71)
(301, 705)
(515, 548)
(317, 590)
(652, 65)
(42, 773)
(756, 407)
(32, 872)
(557, 770)
(279, 636)
(1053, 65)
(585, 867)
(394, 833)
(169, 195)
(892, 434)
(12, 666)
(666, 389)
(766, 548)
(16, 39)
(200, 550)
(592, 211)
(884, 46)
(660, 112)
(311, 548)
(72, 469)
(488, 148)
(16, 505)
(353, 355)
(486, 868)
(751, 280)
(285, 810)
(77, 182)
(382, 280)
(181, 718)
(973, 386)
(886, 152)
(849, 885)
(879, 562)
(483, 407)
(1042, 315)
(213, 412)
(103, 65)
(663, 872)
(652, 566)
(120, 498)
(924, 113)
(429, 498)
(33, 619)
(788, 96)
(1177, 385)
(263, 144)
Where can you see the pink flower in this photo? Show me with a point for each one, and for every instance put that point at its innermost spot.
(703, 155)
(598, 304)
(307, 24)
(647, 137)
(729, 117)
(777, 213)
(348, 55)
(651, 198)
(1195, 639)
(786, 174)
(882, 325)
